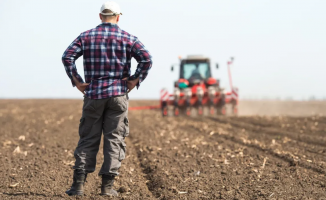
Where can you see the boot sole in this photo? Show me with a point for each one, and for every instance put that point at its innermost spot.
(108, 194)
(75, 193)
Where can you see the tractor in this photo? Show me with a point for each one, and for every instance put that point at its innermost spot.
(196, 89)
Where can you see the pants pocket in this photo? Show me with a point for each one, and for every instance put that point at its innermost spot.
(126, 125)
(89, 104)
(84, 129)
(120, 103)
(81, 126)
(122, 152)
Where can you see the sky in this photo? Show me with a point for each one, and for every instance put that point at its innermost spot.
(279, 46)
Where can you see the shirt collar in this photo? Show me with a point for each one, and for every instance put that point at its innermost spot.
(108, 24)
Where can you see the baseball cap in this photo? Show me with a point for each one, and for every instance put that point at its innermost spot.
(113, 6)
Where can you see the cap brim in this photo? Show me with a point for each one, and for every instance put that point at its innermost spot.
(110, 14)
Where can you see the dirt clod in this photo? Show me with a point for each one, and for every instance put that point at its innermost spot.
(122, 189)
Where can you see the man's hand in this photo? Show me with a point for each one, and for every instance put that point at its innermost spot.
(80, 86)
(131, 84)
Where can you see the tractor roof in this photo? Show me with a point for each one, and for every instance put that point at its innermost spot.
(196, 57)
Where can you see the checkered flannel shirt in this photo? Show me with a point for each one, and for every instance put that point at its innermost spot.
(107, 51)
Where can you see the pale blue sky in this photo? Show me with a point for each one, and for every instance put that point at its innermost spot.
(279, 45)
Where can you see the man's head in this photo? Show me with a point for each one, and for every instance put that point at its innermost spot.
(110, 12)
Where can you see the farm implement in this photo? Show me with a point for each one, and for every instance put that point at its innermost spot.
(196, 90)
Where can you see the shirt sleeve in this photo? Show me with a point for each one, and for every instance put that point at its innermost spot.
(144, 59)
(72, 53)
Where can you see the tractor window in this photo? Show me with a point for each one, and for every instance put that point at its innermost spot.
(196, 71)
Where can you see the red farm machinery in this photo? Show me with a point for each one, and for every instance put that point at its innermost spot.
(196, 91)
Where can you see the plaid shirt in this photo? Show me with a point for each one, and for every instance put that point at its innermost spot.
(107, 52)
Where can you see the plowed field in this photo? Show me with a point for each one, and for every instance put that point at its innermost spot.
(208, 157)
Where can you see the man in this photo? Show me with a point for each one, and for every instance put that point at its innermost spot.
(195, 74)
(107, 52)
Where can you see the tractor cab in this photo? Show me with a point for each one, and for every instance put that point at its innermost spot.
(195, 70)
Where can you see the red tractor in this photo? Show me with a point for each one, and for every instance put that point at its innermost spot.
(197, 89)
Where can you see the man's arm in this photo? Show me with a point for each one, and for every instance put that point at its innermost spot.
(80, 86)
(144, 59)
(72, 53)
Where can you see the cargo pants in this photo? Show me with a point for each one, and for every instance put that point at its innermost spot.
(109, 116)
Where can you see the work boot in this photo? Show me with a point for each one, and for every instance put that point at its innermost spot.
(77, 187)
(107, 186)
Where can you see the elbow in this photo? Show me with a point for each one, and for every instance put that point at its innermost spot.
(63, 59)
(150, 59)
(149, 63)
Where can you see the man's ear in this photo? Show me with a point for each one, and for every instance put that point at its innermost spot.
(118, 18)
(100, 16)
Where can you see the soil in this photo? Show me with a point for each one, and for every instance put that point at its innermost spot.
(207, 157)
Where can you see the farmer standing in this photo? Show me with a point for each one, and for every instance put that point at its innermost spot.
(107, 52)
